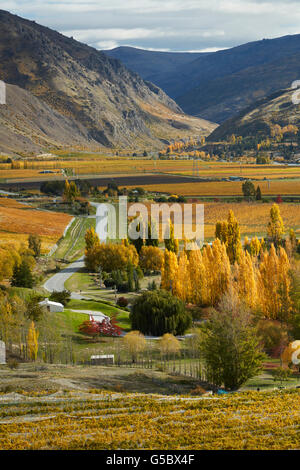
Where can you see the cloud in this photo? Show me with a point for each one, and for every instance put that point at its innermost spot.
(175, 25)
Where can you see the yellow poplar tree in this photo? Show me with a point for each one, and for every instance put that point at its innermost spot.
(32, 342)
(246, 279)
(91, 238)
(197, 275)
(171, 243)
(218, 271)
(228, 232)
(182, 284)
(169, 270)
(275, 226)
(274, 285)
(255, 247)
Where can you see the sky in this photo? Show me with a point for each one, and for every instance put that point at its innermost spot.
(165, 25)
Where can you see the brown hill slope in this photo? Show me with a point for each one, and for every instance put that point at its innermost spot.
(261, 117)
(114, 105)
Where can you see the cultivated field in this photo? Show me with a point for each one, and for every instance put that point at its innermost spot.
(225, 188)
(89, 165)
(18, 220)
(253, 217)
(102, 420)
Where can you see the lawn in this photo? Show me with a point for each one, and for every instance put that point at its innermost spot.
(93, 305)
(72, 246)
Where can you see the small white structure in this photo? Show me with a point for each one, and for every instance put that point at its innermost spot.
(2, 353)
(52, 306)
(103, 359)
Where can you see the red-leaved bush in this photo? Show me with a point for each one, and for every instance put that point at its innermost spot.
(108, 327)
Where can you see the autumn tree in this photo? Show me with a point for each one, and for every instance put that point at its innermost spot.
(71, 192)
(34, 244)
(135, 343)
(32, 342)
(169, 270)
(274, 285)
(217, 271)
(110, 257)
(182, 283)
(151, 258)
(169, 344)
(171, 243)
(255, 247)
(245, 274)
(229, 233)
(197, 277)
(275, 226)
(91, 239)
(248, 189)
(9, 258)
(152, 239)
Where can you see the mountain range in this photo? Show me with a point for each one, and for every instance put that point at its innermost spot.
(219, 85)
(65, 93)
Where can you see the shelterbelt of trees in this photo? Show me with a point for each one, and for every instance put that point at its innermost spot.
(259, 271)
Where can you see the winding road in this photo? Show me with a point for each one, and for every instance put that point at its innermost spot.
(57, 282)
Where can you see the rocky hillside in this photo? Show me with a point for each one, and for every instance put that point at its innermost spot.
(261, 117)
(90, 91)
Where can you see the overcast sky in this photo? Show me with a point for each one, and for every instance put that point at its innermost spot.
(167, 25)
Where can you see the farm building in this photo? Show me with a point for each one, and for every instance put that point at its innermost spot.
(103, 359)
(52, 306)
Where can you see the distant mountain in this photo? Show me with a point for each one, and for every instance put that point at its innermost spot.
(218, 85)
(260, 117)
(154, 66)
(92, 93)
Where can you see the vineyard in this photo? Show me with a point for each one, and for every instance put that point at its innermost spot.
(95, 420)
(18, 220)
(87, 165)
(225, 188)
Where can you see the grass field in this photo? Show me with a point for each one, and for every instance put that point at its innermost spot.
(72, 246)
(102, 420)
(17, 221)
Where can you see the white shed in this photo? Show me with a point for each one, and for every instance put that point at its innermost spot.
(52, 306)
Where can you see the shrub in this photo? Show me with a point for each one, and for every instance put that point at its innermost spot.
(159, 312)
(281, 374)
(62, 297)
(122, 302)
(12, 364)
